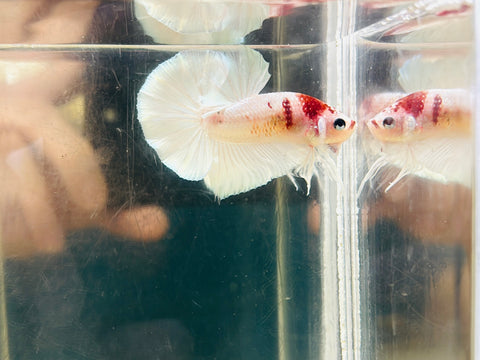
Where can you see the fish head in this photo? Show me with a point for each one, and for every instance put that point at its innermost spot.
(393, 124)
(326, 124)
(400, 120)
(373, 104)
(336, 127)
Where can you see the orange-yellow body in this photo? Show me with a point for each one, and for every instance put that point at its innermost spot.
(424, 114)
(277, 117)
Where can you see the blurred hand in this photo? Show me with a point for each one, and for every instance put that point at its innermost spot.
(50, 176)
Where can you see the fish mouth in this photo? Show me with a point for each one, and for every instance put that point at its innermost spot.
(373, 123)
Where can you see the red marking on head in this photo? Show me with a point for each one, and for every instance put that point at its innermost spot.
(437, 102)
(413, 103)
(287, 111)
(312, 107)
(269, 105)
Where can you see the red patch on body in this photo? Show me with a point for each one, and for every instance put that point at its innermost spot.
(287, 112)
(437, 102)
(413, 103)
(269, 105)
(312, 107)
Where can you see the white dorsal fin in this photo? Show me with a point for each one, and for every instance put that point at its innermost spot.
(247, 75)
(180, 90)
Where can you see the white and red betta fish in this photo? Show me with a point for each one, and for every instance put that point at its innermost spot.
(426, 133)
(203, 114)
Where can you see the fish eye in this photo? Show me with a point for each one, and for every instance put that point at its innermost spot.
(339, 124)
(388, 122)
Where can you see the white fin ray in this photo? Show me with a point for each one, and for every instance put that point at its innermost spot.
(442, 160)
(328, 164)
(307, 169)
(248, 166)
(408, 165)
(205, 17)
(169, 108)
(238, 85)
(191, 162)
(317, 157)
(180, 90)
(293, 180)
(372, 172)
(199, 22)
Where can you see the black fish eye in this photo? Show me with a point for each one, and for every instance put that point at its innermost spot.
(339, 124)
(388, 122)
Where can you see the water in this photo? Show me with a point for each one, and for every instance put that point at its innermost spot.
(419, 247)
(152, 266)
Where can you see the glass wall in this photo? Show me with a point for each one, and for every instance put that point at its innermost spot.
(417, 201)
(236, 179)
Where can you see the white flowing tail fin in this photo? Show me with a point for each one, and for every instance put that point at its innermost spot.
(169, 109)
(179, 91)
(199, 22)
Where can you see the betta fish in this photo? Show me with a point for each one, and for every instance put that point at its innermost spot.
(203, 113)
(426, 133)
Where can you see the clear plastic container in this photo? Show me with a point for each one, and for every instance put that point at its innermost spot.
(108, 254)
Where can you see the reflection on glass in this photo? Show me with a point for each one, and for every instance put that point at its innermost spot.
(107, 253)
(417, 191)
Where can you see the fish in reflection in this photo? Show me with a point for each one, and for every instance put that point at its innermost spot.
(209, 22)
(203, 114)
(420, 19)
(221, 22)
(199, 22)
(425, 133)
